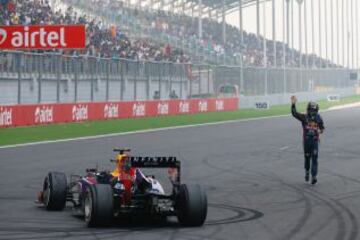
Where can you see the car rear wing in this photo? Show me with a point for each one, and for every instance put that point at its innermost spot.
(159, 162)
(154, 162)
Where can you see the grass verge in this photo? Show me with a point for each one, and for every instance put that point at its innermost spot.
(19, 135)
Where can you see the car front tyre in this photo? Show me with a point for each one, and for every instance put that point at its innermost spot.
(55, 191)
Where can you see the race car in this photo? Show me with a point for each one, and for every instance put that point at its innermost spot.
(101, 196)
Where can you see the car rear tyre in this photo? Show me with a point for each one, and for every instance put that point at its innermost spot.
(191, 206)
(98, 205)
(54, 191)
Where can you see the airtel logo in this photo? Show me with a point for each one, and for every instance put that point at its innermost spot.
(203, 106)
(44, 114)
(184, 107)
(42, 36)
(219, 105)
(163, 108)
(6, 116)
(80, 112)
(139, 110)
(3, 35)
(111, 111)
(31, 38)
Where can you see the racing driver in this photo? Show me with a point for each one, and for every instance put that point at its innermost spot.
(313, 126)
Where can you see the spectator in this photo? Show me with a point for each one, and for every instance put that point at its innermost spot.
(156, 95)
(173, 95)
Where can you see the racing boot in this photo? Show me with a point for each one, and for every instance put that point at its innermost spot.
(313, 180)
(307, 176)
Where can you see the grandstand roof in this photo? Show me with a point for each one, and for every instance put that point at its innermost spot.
(230, 4)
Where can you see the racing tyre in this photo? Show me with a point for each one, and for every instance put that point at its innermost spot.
(191, 206)
(54, 191)
(98, 205)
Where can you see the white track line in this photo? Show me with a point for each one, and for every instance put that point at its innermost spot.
(147, 131)
(139, 131)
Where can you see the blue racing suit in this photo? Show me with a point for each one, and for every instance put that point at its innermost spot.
(312, 125)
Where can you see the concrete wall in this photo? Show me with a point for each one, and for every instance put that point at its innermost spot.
(280, 99)
(34, 89)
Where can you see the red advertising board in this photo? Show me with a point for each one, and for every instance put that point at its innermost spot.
(42, 37)
(25, 115)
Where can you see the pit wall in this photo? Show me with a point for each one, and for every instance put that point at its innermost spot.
(40, 114)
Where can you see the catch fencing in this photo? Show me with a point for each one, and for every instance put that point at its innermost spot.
(35, 78)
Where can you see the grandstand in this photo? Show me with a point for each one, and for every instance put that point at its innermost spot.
(206, 38)
(191, 35)
(152, 30)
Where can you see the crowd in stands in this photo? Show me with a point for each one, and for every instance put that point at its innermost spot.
(186, 27)
(114, 41)
(102, 41)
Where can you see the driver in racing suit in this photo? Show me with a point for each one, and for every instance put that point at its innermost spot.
(313, 126)
(123, 175)
(128, 179)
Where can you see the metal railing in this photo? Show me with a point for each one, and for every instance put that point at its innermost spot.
(47, 78)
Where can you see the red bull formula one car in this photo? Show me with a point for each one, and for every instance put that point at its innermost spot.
(101, 196)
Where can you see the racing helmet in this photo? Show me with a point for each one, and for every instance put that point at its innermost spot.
(312, 108)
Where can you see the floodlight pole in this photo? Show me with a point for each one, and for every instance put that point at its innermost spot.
(274, 30)
(258, 18)
(306, 35)
(347, 34)
(326, 33)
(352, 33)
(223, 27)
(343, 31)
(337, 35)
(200, 20)
(320, 36)
(332, 31)
(288, 22)
(265, 49)
(241, 26)
(300, 45)
(357, 34)
(292, 32)
(300, 34)
(313, 33)
(285, 24)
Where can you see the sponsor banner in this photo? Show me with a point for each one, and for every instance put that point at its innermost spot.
(42, 37)
(6, 116)
(111, 111)
(163, 108)
(333, 98)
(44, 114)
(139, 109)
(25, 115)
(262, 105)
(183, 107)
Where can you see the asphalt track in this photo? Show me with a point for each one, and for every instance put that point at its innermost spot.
(252, 172)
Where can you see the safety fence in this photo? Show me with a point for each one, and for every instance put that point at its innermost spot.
(29, 78)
